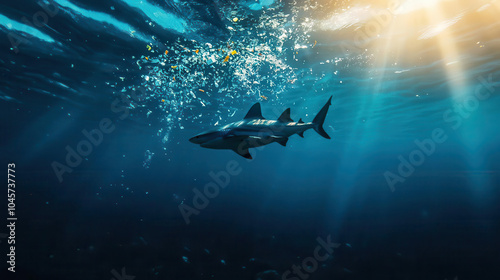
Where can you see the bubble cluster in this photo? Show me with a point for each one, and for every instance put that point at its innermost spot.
(203, 82)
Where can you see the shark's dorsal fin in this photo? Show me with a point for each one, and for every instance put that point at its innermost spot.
(301, 121)
(285, 117)
(255, 112)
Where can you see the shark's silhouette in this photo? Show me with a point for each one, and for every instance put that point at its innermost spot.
(255, 131)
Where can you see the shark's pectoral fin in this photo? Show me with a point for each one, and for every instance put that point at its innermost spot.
(301, 134)
(243, 152)
(281, 140)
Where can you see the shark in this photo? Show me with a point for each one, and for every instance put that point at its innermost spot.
(254, 131)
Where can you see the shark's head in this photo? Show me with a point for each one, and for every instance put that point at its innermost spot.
(206, 137)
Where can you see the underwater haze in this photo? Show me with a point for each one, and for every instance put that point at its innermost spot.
(99, 99)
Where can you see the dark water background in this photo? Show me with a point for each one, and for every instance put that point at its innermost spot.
(119, 208)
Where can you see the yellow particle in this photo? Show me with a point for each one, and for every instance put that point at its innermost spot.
(166, 52)
(163, 100)
(315, 42)
(201, 90)
(197, 51)
(173, 67)
(263, 97)
(233, 52)
(148, 47)
(235, 19)
(146, 58)
(226, 59)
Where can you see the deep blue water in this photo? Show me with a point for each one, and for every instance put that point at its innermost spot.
(400, 73)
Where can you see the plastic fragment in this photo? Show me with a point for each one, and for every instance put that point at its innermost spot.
(201, 90)
(233, 52)
(173, 67)
(263, 97)
(148, 47)
(197, 51)
(235, 19)
(226, 59)
(315, 42)
(166, 52)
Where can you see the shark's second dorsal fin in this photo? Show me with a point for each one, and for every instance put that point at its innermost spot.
(300, 121)
(255, 112)
(285, 117)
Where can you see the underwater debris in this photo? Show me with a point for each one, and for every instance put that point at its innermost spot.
(263, 53)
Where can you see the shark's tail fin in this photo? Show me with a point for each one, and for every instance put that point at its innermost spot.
(320, 119)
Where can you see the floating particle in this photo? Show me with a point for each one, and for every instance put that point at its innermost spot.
(315, 42)
(226, 59)
(186, 260)
(148, 47)
(173, 67)
(263, 97)
(166, 52)
(223, 262)
(163, 100)
(235, 19)
(201, 90)
(197, 51)
(233, 52)
(147, 58)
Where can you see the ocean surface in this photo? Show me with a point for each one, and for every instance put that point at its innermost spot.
(98, 100)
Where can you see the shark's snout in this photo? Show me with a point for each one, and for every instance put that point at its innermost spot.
(195, 139)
